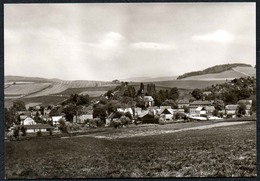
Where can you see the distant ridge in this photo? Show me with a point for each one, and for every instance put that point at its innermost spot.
(150, 79)
(213, 70)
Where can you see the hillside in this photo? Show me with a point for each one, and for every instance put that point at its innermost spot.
(236, 72)
(19, 86)
(150, 79)
(217, 69)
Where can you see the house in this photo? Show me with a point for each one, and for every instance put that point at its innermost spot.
(82, 118)
(168, 113)
(147, 118)
(194, 105)
(210, 109)
(28, 121)
(137, 111)
(148, 101)
(206, 93)
(37, 127)
(55, 120)
(201, 111)
(183, 103)
(231, 110)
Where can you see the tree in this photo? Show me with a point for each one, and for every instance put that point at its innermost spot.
(100, 112)
(197, 94)
(19, 105)
(174, 93)
(37, 118)
(130, 91)
(8, 119)
(109, 94)
(141, 90)
(151, 91)
(70, 111)
(112, 106)
(230, 97)
(241, 108)
(170, 102)
(186, 109)
(219, 104)
(129, 115)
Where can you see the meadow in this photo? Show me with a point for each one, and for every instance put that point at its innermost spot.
(217, 152)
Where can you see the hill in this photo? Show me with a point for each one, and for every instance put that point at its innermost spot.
(19, 86)
(150, 79)
(214, 72)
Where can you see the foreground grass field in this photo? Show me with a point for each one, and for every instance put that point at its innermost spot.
(216, 152)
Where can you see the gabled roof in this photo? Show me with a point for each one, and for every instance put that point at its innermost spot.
(183, 101)
(210, 108)
(24, 113)
(200, 103)
(23, 117)
(37, 126)
(231, 107)
(166, 111)
(246, 102)
(56, 118)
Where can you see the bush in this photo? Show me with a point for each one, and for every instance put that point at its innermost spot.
(161, 121)
(50, 131)
(23, 129)
(16, 132)
(39, 133)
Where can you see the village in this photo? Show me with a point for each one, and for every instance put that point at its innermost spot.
(65, 118)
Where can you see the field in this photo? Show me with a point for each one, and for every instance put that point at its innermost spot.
(217, 152)
(188, 84)
(229, 74)
(70, 91)
(246, 70)
(25, 89)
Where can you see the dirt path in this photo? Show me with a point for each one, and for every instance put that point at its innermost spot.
(155, 132)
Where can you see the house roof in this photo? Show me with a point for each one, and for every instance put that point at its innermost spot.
(166, 111)
(183, 101)
(24, 113)
(148, 98)
(246, 102)
(23, 117)
(206, 92)
(200, 108)
(56, 118)
(210, 108)
(200, 103)
(37, 126)
(231, 107)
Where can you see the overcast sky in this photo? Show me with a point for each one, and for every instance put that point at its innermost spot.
(115, 41)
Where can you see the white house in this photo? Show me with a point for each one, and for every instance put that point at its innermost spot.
(167, 112)
(28, 121)
(55, 120)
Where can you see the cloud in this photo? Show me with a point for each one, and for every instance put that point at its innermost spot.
(110, 41)
(219, 36)
(152, 46)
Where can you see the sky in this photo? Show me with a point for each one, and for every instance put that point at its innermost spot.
(117, 41)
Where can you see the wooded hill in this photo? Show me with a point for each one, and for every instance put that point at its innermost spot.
(214, 69)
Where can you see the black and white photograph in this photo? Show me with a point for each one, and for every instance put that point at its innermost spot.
(130, 90)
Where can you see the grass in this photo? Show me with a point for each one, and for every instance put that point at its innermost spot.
(217, 152)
